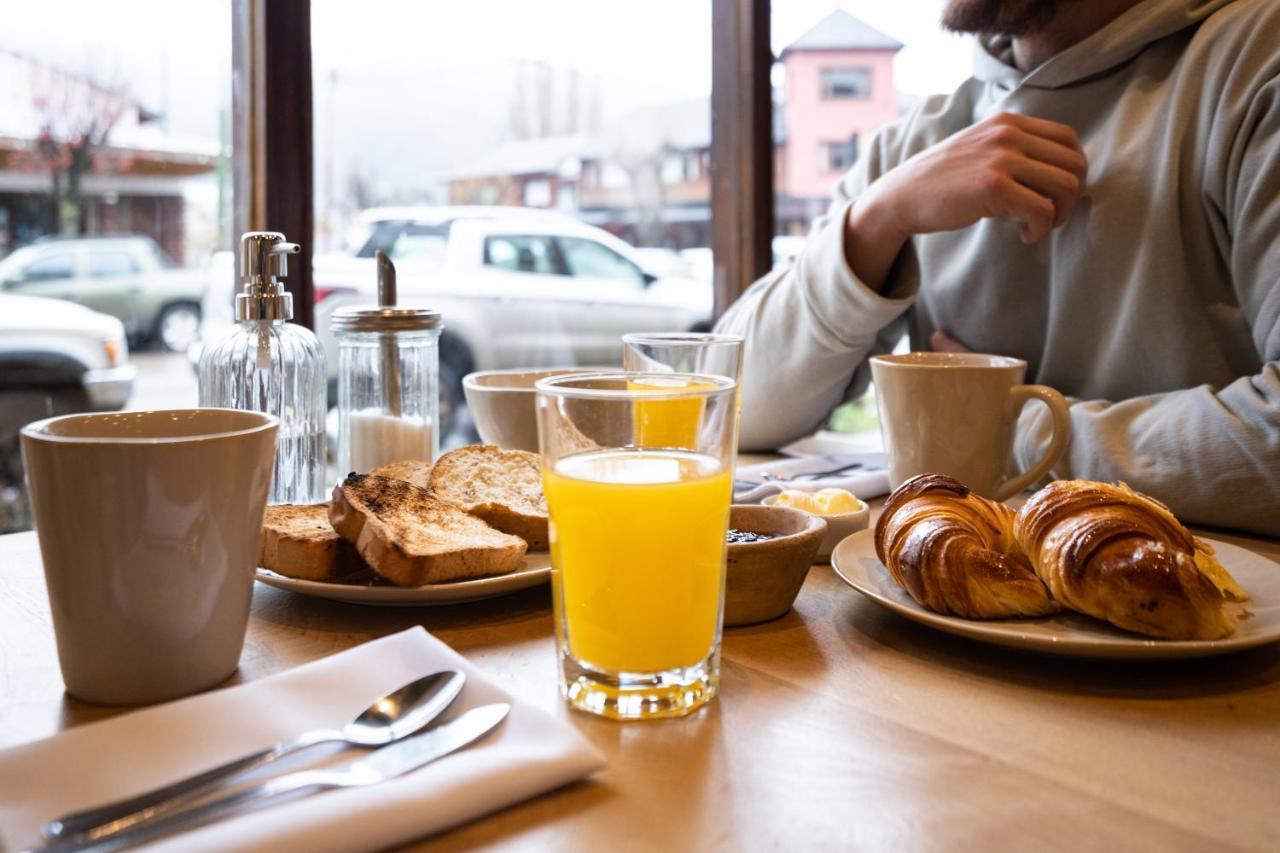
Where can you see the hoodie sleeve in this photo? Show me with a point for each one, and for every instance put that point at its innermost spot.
(1211, 454)
(809, 327)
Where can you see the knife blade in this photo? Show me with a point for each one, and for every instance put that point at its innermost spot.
(385, 763)
(411, 753)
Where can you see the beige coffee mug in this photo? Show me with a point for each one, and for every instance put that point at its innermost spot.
(955, 414)
(149, 524)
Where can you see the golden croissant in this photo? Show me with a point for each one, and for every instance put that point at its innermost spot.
(1120, 556)
(954, 552)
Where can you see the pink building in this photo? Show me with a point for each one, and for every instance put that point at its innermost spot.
(838, 90)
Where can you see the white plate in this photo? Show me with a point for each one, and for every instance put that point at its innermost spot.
(537, 569)
(1070, 633)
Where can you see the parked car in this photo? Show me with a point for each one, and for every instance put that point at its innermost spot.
(130, 278)
(55, 358)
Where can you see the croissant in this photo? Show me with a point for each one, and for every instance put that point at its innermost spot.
(954, 552)
(1120, 556)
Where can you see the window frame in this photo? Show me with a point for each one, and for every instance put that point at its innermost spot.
(826, 89)
(272, 136)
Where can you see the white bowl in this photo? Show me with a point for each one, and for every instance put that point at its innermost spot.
(839, 525)
(502, 404)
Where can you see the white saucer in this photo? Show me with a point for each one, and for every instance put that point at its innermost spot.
(1070, 633)
(536, 570)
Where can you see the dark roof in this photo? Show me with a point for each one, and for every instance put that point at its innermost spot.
(842, 31)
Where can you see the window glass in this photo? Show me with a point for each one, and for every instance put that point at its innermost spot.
(842, 74)
(116, 121)
(589, 258)
(522, 254)
(839, 156)
(840, 83)
(61, 265)
(108, 264)
(517, 123)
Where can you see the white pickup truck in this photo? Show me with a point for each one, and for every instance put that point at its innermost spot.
(515, 288)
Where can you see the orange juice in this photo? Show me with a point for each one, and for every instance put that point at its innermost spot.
(638, 545)
(668, 423)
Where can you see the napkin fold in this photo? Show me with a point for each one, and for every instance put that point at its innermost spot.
(863, 474)
(528, 754)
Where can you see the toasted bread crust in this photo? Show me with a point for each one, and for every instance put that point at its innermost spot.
(411, 538)
(409, 470)
(299, 542)
(503, 487)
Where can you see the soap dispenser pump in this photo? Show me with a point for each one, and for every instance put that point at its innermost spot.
(267, 364)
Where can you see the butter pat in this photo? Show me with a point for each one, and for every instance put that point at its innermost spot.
(825, 502)
(836, 502)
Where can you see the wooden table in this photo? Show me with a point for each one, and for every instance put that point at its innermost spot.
(838, 726)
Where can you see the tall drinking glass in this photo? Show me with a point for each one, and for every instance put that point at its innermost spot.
(678, 352)
(637, 538)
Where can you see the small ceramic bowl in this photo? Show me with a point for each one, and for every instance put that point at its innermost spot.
(763, 578)
(839, 526)
(502, 404)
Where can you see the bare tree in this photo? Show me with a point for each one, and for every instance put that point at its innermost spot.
(547, 101)
(76, 116)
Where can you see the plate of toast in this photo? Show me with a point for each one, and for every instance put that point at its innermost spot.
(1082, 568)
(474, 525)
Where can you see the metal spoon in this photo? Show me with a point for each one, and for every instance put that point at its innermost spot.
(390, 718)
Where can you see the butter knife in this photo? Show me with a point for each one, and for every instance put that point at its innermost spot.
(385, 763)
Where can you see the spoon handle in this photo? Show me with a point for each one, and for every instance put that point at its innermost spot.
(150, 805)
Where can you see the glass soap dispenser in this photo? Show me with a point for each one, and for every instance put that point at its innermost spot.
(267, 364)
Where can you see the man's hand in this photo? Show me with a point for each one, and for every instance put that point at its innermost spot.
(1008, 166)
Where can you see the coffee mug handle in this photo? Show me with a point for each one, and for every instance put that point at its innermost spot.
(1018, 397)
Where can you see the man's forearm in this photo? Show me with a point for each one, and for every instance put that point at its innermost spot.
(807, 330)
(872, 240)
(1212, 457)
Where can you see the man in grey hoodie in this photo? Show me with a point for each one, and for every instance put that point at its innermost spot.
(1099, 199)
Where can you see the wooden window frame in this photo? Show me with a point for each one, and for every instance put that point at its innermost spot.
(741, 147)
(271, 126)
(273, 173)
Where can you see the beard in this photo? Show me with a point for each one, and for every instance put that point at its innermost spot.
(999, 17)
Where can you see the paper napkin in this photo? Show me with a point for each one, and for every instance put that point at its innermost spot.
(528, 754)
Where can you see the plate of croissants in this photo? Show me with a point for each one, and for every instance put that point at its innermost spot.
(1082, 568)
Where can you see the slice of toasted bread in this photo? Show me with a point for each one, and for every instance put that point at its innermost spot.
(411, 538)
(409, 470)
(299, 542)
(503, 487)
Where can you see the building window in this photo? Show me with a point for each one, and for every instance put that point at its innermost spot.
(838, 156)
(537, 193)
(846, 83)
(673, 170)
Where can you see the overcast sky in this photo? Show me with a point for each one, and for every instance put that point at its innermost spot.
(406, 89)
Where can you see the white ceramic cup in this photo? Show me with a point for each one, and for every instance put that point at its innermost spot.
(149, 525)
(955, 414)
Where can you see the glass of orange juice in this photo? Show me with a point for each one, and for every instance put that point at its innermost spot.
(668, 423)
(637, 538)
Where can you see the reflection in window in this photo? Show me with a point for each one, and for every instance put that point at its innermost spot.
(110, 264)
(589, 258)
(522, 254)
(843, 83)
(838, 156)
